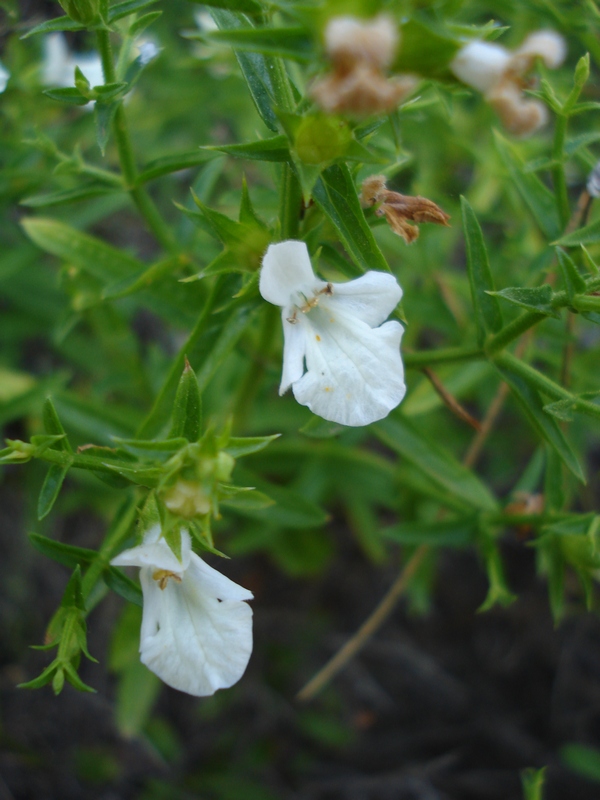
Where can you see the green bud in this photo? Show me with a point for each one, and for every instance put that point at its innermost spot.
(224, 467)
(320, 139)
(582, 70)
(82, 11)
(58, 681)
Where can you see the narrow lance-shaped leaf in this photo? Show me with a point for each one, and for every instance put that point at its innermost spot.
(187, 409)
(53, 425)
(488, 316)
(50, 489)
(439, 466)
(545, 425)
(536, 196)
(66, 554)
(335, 194)
(589, 234)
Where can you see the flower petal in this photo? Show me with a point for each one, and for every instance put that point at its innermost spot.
(480, 64)
(294, 347)
(370, 298)
(155, 552)
(194, 640)
(286, 268)
(354, 373)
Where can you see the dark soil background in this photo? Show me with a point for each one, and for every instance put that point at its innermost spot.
(450, 704)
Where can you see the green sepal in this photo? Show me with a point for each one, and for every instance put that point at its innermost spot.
(488, 317)
(187, 408)
(243, 497)
(498, 591)
(533, 781)
(75, 680)
(574, 282)
(73, 596)
(53, 425)
(42, 679)
(537, 298)
(237, 447)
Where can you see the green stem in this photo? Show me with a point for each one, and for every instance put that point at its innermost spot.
(138, 194)
(512, 331)
(558, 170)
(448, 355)
(290, 204)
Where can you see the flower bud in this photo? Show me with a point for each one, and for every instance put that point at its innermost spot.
(349, 40)
(319, 139)
(547, 45)
(82, 11)
(480, 64)
(187, 499)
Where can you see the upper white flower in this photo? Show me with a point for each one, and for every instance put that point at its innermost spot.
(4, 76)
(58, 67)
(354, 373)
(196, 628)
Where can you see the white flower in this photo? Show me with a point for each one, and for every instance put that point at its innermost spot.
(196, 628)
(58, 67)
(499, 74)
(354, 373)
(4, 76)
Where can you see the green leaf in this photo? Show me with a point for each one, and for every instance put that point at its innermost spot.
(50, 489)
(440, 467)
(142, 278)
(426, 49)
(120, 10)
(317, 428)
(589, 234)
(67, 196)
(256, 68)
(275, 148)
(291, 509)
(447, 533)
(488, 316)
(140, 25)
(283, 42)
(582, 759)
(538, 298)
(66, 554)
(104, 114)
(543, 424)
(90, 254)
(239, 447)
(574, 282)
(70, 95)
(122, 585)
(187, 408)
(533, 783)
(245, 6)
(536, 196)
(73, 596)
(168, 164)
(53, 25)
(335, 194)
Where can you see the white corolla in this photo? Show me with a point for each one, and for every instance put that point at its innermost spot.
(196, 626)
(338, 358)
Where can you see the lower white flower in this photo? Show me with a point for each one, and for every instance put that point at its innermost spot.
(196, 628)
(354, 374)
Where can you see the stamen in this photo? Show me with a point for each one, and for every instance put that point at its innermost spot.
(161, 576)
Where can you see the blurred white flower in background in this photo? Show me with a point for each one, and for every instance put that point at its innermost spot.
(4, 76)
(354, 374)
(196, 628)
(500, 75)
(58, 66)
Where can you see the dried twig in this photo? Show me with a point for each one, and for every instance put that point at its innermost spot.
(451, 401)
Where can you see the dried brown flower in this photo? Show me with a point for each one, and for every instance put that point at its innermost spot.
(398, 208)
(360, 53)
